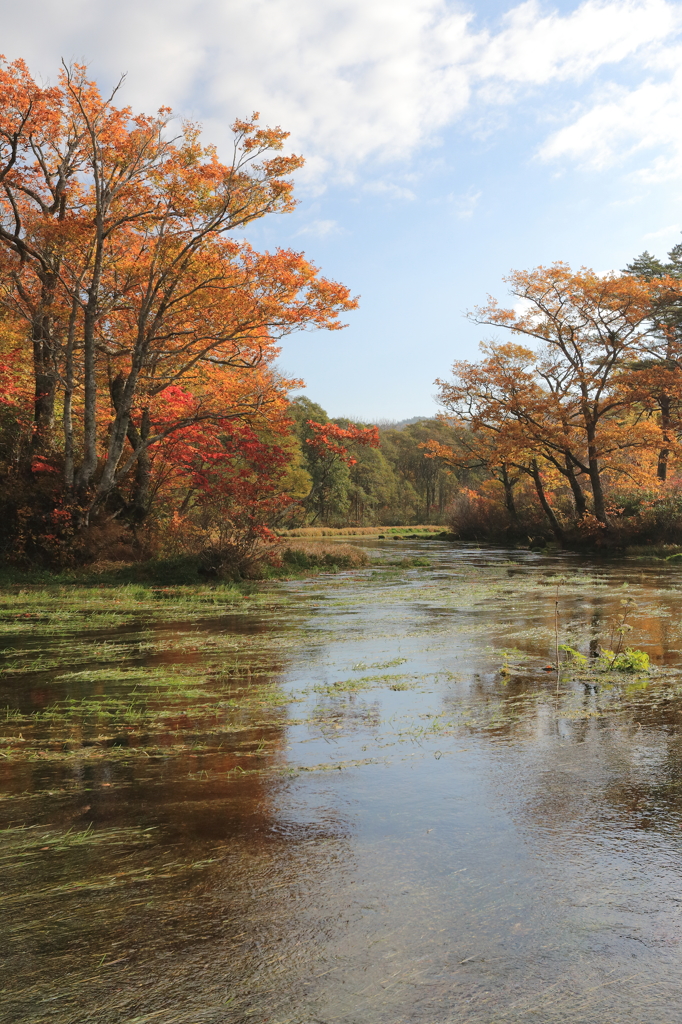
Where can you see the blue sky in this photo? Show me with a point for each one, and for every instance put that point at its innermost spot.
(447, 143)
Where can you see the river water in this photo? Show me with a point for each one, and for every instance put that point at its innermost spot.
(377, 805)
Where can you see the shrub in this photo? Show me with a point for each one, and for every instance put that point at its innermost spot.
(573, 657)
(482, 515)
(235, 562)
(643, 517)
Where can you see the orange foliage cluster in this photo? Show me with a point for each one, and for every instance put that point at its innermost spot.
(330, 441)
(137, 336)
(590, 410)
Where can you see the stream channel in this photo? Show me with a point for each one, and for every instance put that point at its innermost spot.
(359, 798)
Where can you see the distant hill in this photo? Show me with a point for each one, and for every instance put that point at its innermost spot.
(399, 424)
(388, 424)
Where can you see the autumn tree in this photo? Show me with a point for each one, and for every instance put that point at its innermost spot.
(226, 479)
(587, 327)
(655, 377)
(116, 255)
(508, 421)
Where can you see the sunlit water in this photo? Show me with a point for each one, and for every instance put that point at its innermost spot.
(426, 832)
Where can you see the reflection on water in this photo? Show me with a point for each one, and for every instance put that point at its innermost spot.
(376, 810)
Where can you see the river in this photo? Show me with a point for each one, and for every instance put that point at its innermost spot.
(365, 798)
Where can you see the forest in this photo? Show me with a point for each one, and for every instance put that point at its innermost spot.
(142, 413)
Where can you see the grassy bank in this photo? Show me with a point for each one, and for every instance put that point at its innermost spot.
(362, 531)
(299, 552)
(657, 551)
(290, 561)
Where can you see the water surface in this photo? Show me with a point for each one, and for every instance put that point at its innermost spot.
(364, 801)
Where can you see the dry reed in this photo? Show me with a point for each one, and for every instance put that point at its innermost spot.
(356, 531)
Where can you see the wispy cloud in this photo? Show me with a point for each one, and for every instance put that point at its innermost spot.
(464, 204)
(663, 233)
(356, 81)
(319, 228)
(389, 190)
(623, 122)
(538, 48)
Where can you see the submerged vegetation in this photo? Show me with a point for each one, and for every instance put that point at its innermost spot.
(149, 734)
(138, 669)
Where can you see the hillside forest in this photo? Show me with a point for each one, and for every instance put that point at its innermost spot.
(142, 412)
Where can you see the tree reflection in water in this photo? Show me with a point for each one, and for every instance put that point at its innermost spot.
(497, 853)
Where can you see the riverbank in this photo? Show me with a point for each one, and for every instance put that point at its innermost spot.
(309, 532)
(299, 553)
(296, 560)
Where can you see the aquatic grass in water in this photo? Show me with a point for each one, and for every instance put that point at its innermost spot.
(308, 835)
(22, 841)
(66, 609)
(361, 683)
(392, 663)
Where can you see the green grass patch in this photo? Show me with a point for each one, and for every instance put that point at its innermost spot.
(361, 683)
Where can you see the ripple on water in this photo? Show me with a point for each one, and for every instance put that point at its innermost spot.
(366, 802)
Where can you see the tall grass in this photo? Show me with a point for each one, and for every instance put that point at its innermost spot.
(357, 531)
(313, 554)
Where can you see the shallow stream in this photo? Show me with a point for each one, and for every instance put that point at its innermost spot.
(362, 798)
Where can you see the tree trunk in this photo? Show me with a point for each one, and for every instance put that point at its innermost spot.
(595, 475)
(88, 467)
(45, 381)
(121, 427)
(45, 365)
(664, 453)
(547, 508)
(508, 485)
(139, 506)
(143, 470)
(576, 489)
(67, 414)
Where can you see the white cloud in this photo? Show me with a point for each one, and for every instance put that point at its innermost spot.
(355, 80)
(319, 228)
(663, 233)
(537, 48)
(623, 123)
(523, 306)
(464, 204)
(389, 190)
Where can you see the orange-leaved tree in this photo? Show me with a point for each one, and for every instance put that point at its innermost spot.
(499, 402)
(587, 327)
(118, 272)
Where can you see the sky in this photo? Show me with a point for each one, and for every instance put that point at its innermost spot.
(446, 144)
